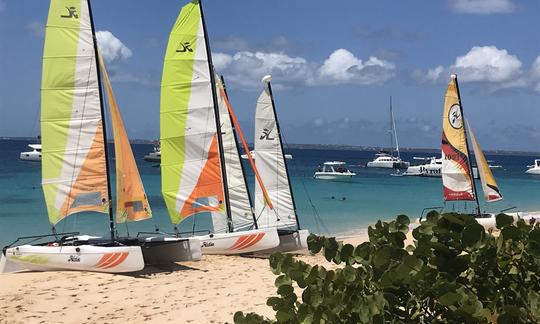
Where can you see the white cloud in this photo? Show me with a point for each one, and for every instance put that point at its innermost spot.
(486, 64)
(343, 67)
(245, 69)
(111, 47)
(482, 7)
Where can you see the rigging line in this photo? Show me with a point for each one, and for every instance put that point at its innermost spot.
(315, 211)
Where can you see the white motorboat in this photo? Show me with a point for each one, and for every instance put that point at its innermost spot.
(387, 160)
(245, 157)
(155, 155)
(34, 155)
(334, 170)
(535, 168)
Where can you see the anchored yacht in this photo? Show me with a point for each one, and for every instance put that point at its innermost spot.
(34, 155)
(535, 168)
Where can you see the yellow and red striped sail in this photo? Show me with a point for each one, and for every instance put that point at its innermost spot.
(131, 201)
(456, 173)
(191, 172)
(489, 185)
(73, 164)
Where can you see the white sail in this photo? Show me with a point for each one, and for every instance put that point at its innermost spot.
(241, 211)
(271, 165)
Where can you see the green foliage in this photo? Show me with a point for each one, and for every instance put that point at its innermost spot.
(456, 272)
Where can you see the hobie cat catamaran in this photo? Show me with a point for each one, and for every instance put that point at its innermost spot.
(457, 176)
(75, 168)
(273, 169)
(198, 146)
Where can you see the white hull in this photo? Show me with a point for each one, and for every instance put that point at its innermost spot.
(30, 156)
(534, 170)
(152, 157)
(114, 259)
(291, 241)
(335, 176)
(388, 164)
(239, 242)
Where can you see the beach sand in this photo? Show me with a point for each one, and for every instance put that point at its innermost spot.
(206, 291)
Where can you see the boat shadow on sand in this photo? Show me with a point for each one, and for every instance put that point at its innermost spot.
(166, 268)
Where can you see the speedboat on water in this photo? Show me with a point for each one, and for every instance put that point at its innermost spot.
(155, 155)
(245, 157)
(334, 170)
(34, 155)
(535, 168)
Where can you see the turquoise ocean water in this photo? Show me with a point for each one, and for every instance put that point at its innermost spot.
(372, 195)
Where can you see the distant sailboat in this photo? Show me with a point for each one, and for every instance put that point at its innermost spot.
(198, 145)
(273, 169)
(387, 160)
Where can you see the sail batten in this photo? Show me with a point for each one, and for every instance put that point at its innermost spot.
(74, 177)
(456, 173)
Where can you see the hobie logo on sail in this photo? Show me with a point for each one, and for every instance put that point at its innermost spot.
(454, 117)
(72, 13)
(184, 47)
(266, 135)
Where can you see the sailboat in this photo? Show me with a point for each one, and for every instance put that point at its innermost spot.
(75, 168)
(385, 159)
(457, 174)
(274, 172)
(201, 170)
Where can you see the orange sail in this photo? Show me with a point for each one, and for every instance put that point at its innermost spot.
(131, 201)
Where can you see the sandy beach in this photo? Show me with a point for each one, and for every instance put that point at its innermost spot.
(207, 291)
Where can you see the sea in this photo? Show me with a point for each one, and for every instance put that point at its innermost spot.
(324, 207)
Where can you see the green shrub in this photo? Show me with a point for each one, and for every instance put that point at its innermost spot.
(456, 272)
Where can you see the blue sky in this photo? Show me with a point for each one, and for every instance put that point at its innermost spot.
(335, 64)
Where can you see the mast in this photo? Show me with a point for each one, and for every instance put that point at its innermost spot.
(218, 123)
(267, 81)
(391, 129)
(102, 108)
(240, 157)
(394, 127)
(471, 173)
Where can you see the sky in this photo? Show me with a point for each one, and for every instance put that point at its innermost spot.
(334, 65)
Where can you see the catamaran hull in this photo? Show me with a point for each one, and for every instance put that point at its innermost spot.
(114, 259)
(163, 250)
(290, 241)
(240, 242)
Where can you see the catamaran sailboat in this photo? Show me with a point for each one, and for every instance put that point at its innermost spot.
(385, 159)
(274, 172)
(534, 169)
(201, 170)
(34, 155)
(457, 175)
(75, 167)
(334, 170)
